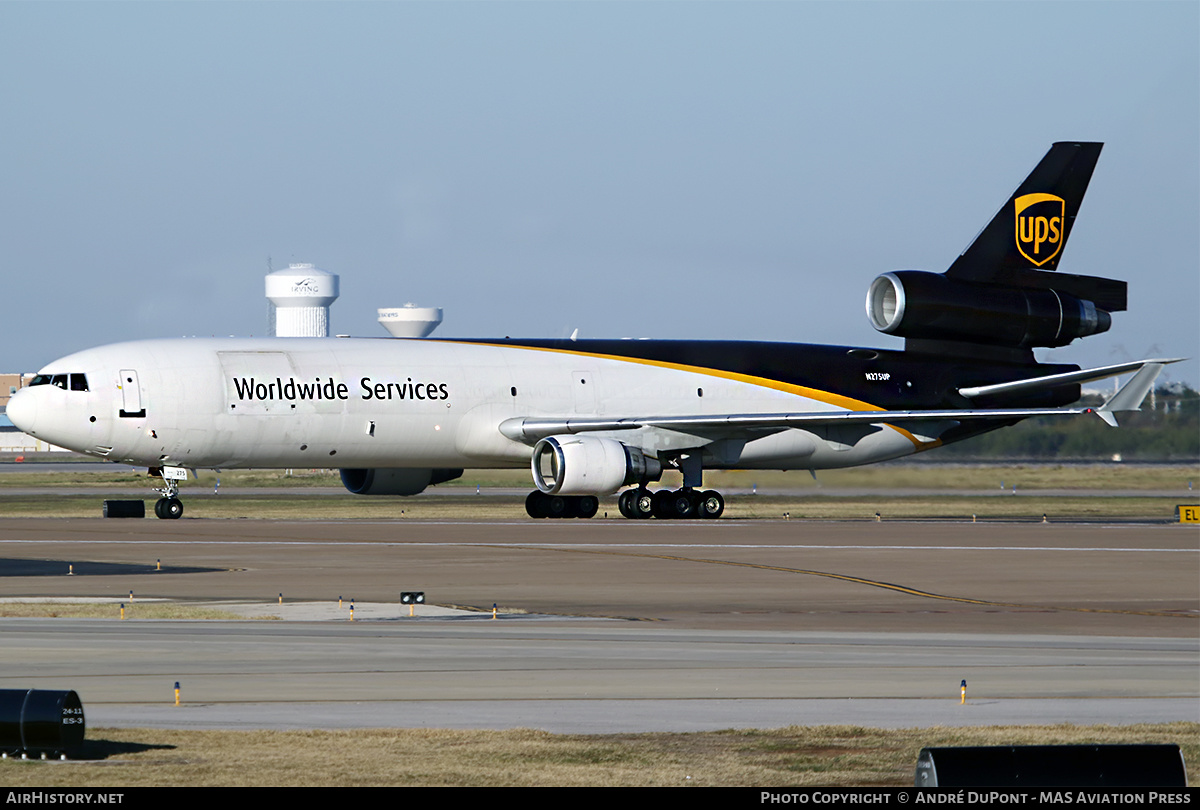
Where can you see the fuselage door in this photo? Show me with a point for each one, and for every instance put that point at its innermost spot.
(131, 394)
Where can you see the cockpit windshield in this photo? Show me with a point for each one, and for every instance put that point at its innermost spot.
(67, 382)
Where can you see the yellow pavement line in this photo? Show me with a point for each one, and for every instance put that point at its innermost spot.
(858, 580)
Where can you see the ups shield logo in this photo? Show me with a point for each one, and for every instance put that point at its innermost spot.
(1039, 227)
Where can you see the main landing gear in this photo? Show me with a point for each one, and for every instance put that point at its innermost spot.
(689, 501)
(667, 504)
(540, 505)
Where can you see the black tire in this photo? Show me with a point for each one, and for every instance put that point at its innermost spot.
(587, 506)
(158, 508)
(625, 504)
(559, 507)
(683, 505)
(712, 504)
(664, 507)
(642, 504)
(173, 509)
(535, 505)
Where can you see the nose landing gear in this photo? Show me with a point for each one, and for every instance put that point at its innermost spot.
(169, 507)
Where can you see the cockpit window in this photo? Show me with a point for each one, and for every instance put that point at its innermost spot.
(72, 382)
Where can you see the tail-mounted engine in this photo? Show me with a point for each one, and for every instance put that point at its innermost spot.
(1003, 296)
(931, 306)
(587, 465)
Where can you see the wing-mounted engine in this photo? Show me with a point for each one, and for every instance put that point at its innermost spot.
(589, 465)
(394, 480)
(1003, 297)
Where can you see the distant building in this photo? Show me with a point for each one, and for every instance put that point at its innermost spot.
(10, 384)
(11, 439)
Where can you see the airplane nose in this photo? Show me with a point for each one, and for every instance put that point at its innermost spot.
(22, 412)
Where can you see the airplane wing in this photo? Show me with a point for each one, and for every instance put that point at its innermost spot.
(1129, 398)
(532, 429)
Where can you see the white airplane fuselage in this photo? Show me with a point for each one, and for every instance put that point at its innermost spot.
(396, 403)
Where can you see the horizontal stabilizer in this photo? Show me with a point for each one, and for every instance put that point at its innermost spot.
(1108, 294)
(1068, 378)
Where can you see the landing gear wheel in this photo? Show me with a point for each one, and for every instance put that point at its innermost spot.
(168, 508)
(558, 506)
(625, 503)
(642, 504)
(682, 504)
(711, 505)
(664, 507)
(587, 506)
(535, 505)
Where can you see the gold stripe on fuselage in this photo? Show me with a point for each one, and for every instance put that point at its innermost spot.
(828, 397)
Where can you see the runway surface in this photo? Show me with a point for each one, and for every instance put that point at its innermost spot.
(630, 626)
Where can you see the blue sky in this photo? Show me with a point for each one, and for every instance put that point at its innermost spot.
(672, 170)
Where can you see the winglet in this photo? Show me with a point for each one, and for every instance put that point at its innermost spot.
(1130, 397)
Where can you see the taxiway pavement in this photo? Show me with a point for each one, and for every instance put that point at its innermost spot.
(627, 625)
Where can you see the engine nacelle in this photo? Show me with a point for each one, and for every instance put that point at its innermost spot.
(394, 480)
(587, 465)
(931, 306)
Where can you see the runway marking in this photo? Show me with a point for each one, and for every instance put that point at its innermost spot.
(783, 546)
(861, 581)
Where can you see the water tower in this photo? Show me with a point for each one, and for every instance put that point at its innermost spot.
(300, 297)
(410, 320)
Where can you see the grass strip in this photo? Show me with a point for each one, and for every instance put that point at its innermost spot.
(834, 756)
(112, 610)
